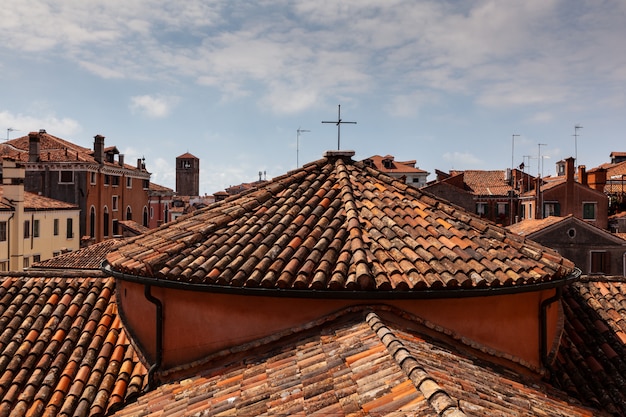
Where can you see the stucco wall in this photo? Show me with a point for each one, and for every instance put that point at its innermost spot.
(200, 323)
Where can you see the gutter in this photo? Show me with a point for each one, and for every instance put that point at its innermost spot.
(543, 325)
(460, 292)
(158, 338)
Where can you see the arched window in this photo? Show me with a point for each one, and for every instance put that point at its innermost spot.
(105, 222)
(92, 221)
(145, 216)
(129, 213)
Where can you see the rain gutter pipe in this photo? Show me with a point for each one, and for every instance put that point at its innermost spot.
(159, 336)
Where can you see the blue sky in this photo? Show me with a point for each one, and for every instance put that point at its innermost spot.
(446, 83)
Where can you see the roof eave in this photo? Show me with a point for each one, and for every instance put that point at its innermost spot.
(460, 292)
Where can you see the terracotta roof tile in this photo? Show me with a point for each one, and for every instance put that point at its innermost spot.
(357, 362)
(591, 362)
(89, 257)
(335, 225)
(60, 346)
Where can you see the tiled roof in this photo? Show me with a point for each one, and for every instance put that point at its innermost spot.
(186, 155)
(529, 226)
(34, 201)
(487, 183)
(397, 167)
(159, 188)
(63, 350)
(54, 149)
(338, 225)
(133, 226)
(591, 363)
(362, 363)
(90, 257)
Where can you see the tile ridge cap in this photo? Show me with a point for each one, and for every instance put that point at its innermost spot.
(437, 397)
(363, 276)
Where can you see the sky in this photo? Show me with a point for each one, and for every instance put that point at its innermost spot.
(447, 83)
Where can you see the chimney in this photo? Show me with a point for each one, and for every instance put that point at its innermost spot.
(597, 179)
(120, 159)
(13, 175)
(139, 163)
(98, 148)
(582, 174)
(538, 210)
(34, 147)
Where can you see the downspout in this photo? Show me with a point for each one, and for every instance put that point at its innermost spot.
(159, 337)
(543, 318)
(9, 237)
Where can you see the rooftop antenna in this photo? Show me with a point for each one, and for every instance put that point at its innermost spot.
(512, 177)
(298, 145)
(576, 144)
(9, 130)
(338, 122)
(513, 150)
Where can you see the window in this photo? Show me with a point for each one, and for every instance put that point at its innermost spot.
(36, 258)
(56, 227)
(129, 182)
(530, 211)
(151, 212)
(4, 266)
(129, 213)
(55, 253)
(93, 178)
(114, 204)
(26, 229)
(105, 222)
(70, 228)
(115, 180)
(482, 209)
(589, 211)
(92, 222)
(26, 262)
(503, 209)
(551, 209)
(146, 184)
(599, 262)
(3, 231)
(66, 177)
(116, 230)
(35, 228)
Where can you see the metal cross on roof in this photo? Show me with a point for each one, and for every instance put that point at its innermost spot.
(338, 122)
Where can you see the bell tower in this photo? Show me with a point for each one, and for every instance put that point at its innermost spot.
(187, 175)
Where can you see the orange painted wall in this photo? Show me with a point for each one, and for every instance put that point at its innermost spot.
(199, 323)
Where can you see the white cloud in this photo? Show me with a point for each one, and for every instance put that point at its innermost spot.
(23, 124)
(153, 106)
(461, 159)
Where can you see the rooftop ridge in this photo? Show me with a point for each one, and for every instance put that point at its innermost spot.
(436, 396)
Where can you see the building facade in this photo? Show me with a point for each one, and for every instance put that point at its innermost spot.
(98, 181)
(33, 228)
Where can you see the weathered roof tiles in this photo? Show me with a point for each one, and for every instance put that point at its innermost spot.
(337, 225)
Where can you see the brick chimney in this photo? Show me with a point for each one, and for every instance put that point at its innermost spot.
(13, 175)
(34, 147)
(120, 159)
(582, 174)
(597, 179)
(98, 148)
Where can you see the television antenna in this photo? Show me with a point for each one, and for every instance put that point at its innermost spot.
(298, 145)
